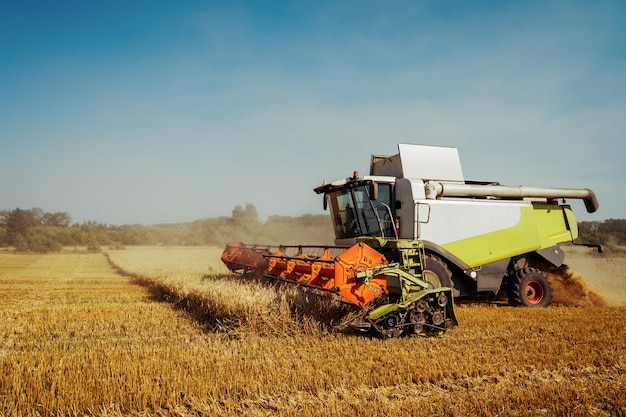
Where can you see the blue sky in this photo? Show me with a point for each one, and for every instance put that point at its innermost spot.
(170, 111)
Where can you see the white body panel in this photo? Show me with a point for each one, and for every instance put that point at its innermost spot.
(451, 221)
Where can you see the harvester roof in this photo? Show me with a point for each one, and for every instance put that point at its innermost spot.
(425, 162)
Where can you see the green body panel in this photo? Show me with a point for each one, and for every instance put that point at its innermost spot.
(552, 224)
(540, 226)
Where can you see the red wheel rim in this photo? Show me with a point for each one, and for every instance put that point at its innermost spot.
(534, 292)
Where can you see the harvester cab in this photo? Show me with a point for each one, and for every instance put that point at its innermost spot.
(361, 206)
(480, 238)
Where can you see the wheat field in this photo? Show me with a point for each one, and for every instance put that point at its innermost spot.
(167, 332)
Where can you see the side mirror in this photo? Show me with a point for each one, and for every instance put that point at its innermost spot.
(374, 191)
(325, 202)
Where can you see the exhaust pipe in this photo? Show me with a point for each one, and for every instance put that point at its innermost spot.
(436, 190)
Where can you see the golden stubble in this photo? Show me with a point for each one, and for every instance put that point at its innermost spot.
(79, 339)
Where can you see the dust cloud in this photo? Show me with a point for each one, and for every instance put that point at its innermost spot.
(571, 289)
(602, 274)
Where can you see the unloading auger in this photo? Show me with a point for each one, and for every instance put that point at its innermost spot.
(393, 298)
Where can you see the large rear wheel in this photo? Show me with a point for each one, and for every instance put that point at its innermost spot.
(529, 287)
(436, 272)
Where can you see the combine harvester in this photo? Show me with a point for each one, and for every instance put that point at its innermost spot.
(414, 234)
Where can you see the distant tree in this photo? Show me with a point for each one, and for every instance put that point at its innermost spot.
(246, 216)
(20, 243)
(93, 245)
(59, 219)
(245, 222)
(19, 223)
(37, 215)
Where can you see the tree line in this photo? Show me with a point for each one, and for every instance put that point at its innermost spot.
(34, 230)
(610, 233)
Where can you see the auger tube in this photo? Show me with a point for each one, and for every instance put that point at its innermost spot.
(435, 189)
